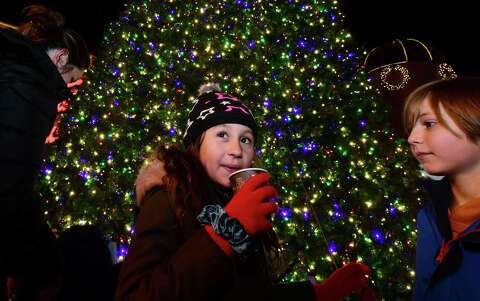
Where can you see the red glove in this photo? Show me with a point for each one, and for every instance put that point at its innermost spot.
(344, 281)
(248, 206)
(251, 205)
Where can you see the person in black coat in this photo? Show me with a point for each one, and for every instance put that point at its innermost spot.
(36, 63)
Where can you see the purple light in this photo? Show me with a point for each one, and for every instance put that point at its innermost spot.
(157, 18)
(309, 147)
(337, 215)
(378, 236)
(332, 247)
(337, 211)
(137, 49)
(94, 120)
(172, 11)
(243, 4)
(110, 156)
(116, 72)
(266, 103)
(178, 83)
(122, 250)
(166, 102)
(151, 45)
(301, 43)
(47, 170)
(116, 102)
(84, 174)
(278, 133)
(251, 44)
(392, 211)
(296, 110)
(363, 123)
(306, 216)
(172, 132)
(285, 212)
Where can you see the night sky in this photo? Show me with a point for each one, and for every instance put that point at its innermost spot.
(450, 27)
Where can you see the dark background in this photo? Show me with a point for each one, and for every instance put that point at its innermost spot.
(450, 27)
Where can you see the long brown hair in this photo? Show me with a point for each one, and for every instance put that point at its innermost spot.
(187, 182)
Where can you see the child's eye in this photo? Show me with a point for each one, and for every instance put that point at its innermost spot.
(222, 134)
(246, 140)
(429, 124)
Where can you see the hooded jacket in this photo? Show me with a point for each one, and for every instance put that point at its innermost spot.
(445, 269)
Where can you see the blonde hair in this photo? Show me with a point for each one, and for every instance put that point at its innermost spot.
(460, 97)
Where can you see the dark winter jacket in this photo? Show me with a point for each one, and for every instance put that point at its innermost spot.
(446, 269)
(30, 89)
(172, 259)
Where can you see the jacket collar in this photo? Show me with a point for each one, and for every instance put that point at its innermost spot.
(441, 196)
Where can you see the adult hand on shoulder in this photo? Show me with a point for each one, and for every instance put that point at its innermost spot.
(344, 281)
(252, 204)
(149, 176)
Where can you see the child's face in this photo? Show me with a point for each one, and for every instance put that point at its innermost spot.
(440, 149)
(225, 149)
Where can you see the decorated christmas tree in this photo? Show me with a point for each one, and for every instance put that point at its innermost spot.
(347, 185)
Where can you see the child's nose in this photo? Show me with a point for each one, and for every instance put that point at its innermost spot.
(414, 137)
(234, 148)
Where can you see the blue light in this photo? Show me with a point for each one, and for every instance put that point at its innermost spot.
(301, 43)
(378, 236)
(251, 44)
(332, 247)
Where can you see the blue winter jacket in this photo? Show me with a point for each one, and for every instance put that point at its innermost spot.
(446, 269)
